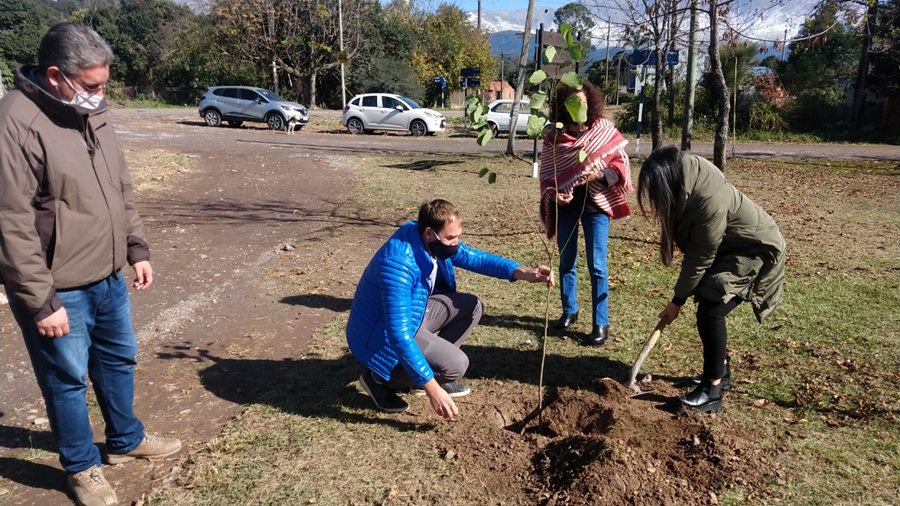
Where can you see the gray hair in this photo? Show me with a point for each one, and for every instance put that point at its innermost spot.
(73, 47)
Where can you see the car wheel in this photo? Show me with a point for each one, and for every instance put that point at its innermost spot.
(355, 126)
(235, 124)
(495, 131)
(418, 128)
(212, 117)
(275, 121)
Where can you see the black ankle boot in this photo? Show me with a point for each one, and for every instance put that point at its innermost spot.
(706, 398)
(565, 321)
(599, 335)
(726, 379)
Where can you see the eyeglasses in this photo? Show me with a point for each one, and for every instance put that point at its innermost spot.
(90, 90)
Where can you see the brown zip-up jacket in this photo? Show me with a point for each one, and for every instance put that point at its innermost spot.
(66, 213)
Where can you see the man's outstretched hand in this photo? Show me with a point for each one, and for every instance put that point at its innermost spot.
(539, 274)
(441, 402)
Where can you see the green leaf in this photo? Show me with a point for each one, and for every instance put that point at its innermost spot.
(571, 79)
(565, 29)
(484, 136)
(577, 109)
(558, 125)
(582, 156)
(492, 178)
(549, 54)
(535, 126)
(538, 100)
(477, 113)
(577, 51)
(537, 77)
(483, 171)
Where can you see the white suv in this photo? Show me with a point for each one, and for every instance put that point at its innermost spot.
(385, 111)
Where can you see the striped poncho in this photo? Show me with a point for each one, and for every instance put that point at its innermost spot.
(561, 170)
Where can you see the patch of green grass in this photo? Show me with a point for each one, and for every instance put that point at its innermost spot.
(817, 386)
(146, 103)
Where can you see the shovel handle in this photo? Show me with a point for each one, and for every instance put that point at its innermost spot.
(645, 352)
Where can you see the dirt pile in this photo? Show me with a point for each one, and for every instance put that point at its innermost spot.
(599, 446)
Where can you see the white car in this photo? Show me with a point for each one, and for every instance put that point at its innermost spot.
(498, 116)
(385, 111)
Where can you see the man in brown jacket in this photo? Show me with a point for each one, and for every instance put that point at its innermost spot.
(67, 227)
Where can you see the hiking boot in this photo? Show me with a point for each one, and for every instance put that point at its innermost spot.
(152, 447)
(384, 397)
(91, 488)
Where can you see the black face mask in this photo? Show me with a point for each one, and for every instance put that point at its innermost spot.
(442, 251)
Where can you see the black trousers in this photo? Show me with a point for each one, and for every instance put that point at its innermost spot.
(713, 334)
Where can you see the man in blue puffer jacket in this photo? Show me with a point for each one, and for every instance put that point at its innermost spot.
(408, 321)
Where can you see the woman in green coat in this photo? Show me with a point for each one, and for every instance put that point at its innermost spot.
(733, 252)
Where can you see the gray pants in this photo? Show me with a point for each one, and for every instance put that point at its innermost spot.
(449, 319)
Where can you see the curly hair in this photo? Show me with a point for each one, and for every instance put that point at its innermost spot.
(595, 102)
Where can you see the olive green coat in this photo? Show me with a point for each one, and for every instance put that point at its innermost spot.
(731, 247)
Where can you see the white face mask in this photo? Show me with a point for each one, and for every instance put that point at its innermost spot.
(83, 101)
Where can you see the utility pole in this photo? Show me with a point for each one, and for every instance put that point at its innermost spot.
(275, 77)
(520, 80)
(479, 15)
(608, 28)
(687, 127)
(734, 109)
(343, 56)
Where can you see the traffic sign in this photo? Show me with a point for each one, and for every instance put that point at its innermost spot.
(441, 81)
(648, 57)
(469, 82)
(470, 72)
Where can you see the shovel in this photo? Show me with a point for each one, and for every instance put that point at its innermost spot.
(645, 352)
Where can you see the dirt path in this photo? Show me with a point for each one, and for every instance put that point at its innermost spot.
(211, 235)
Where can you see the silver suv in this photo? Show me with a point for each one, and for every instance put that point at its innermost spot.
(386, 111)
(237, 104)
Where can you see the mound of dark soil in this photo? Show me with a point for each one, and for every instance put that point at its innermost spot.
(599, 446)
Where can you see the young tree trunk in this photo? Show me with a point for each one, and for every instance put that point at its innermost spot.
(657, 135)
(859, 88)
(313, 75)
(520, 80)
(687, 127)
(719, 88)
(2, 88)
(670, 94)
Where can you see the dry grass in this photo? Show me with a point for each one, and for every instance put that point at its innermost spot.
(155, 170)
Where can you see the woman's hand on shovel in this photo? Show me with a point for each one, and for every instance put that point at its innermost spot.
(669, 314)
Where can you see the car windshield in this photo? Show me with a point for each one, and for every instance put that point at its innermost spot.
(271, 97)
(410, 103)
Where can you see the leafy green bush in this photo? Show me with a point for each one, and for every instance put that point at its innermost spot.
(763, 115)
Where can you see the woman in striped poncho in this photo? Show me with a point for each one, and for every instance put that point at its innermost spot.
(591, 191)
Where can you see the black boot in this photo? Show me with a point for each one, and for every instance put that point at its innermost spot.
(599, 335)
(726, 379)
(706, 398)
(565, 321)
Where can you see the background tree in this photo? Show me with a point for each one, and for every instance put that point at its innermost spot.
(884, 72)
(447, 44)
(817, 66)
(21, 27)
(580, 18)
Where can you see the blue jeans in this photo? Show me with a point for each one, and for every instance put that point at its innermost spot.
(101, 344)
(596, 237)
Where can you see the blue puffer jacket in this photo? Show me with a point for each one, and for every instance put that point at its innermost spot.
(390, 300)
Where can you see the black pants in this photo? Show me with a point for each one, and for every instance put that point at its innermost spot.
(713, 334)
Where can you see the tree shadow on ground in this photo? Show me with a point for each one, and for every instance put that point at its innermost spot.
(319, 301)
(419, 165)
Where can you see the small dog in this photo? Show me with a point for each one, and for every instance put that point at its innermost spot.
(291, 126)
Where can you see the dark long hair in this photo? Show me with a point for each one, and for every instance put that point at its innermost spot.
(595, 101)
(660, 184)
